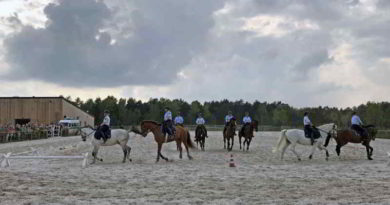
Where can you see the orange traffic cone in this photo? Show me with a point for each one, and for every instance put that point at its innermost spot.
(231, 162)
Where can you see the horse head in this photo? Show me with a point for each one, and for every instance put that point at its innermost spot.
(147, 126)
(85, 132)
(372, 131)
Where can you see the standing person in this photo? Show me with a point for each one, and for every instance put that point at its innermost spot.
(179, 120)
(228, 117)
(308, 127)
(356, 124)
(105, 126)
(247, 121)
(200, 123)
(168, 125)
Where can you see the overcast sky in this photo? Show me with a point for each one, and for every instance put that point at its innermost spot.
(304, 53)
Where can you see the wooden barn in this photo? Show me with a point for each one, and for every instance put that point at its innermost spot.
(40, 110)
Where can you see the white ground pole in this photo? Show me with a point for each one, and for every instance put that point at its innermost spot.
(8, 156)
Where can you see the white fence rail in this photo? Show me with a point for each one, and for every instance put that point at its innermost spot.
(4, 161)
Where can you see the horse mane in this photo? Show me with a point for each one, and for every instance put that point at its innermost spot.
(150, 121)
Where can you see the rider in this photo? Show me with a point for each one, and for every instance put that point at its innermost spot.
(168, 123)
(228, 117)
(247, 121)
(308, 127)
(179, 120)
(200, 123)
(356, 124)
(105, 126)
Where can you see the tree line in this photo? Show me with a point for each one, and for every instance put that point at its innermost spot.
(131, 111)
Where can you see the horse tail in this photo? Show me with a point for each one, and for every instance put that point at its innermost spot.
(189, 141)
(281, 142)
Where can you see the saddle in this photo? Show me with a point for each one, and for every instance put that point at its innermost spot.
(315, 132)
(99, 134)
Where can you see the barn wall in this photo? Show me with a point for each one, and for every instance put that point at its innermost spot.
(72, 111)
(38, 110)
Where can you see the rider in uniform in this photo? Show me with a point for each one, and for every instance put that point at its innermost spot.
(356, 124)
(247, 121)
(168, 124)
(228, 117)
(200, 123)
(179, 121)
(308, 127)
(105, 126)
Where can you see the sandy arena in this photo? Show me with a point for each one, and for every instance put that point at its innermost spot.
(259, 178)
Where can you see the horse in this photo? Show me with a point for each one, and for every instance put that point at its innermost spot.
(229, 133)
(181, 136)
(297, 136)
(347, 135)
(247, 133)
(200, 136)
(118, 136)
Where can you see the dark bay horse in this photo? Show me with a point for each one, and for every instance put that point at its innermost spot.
(347, 135)
(200, 136)
(181, 136)
(229, 134)
(248, 134)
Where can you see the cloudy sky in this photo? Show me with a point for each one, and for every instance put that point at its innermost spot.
(301, 52)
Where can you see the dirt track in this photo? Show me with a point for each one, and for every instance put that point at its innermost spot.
(259, 178)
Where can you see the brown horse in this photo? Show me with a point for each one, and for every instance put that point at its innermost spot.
(247, 133)
(347, 135)
(181, 136)
(229, 134)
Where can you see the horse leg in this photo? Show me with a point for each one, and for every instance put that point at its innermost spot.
(248, 143)
(128, 152)
(338, 149)
(202, 143)
(239, 140)
(322, 147)
(186, 146)
(295, 152)
(284, 150)
(124, 153)
(313, 149)
(231, 148)
(162, 156)
(372, 150)
(368, 148)
(178, 143)
(158, 152)
(94, 154)
(224, 142)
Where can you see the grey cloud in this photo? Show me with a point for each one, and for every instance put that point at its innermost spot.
(72, 50)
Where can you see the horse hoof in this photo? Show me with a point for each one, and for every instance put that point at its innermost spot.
(130, 160)
(310, 157)
(370, 158)
(299, 159)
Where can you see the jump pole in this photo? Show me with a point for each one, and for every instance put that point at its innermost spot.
(7, 157)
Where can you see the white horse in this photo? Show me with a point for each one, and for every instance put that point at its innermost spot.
(118, 136)
(297, 136)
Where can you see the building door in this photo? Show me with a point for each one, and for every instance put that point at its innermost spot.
(22, 121)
